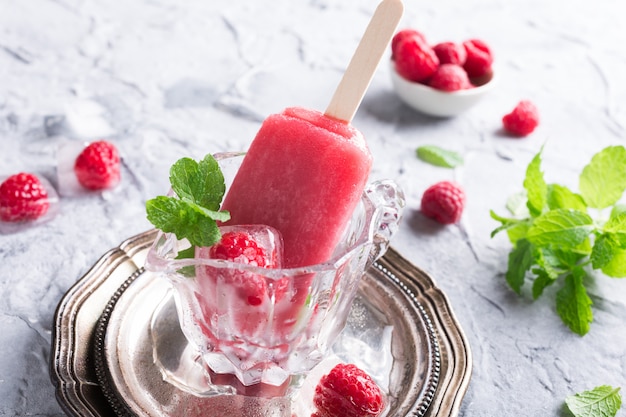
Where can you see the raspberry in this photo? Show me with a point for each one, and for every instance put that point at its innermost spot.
(98, 166)
(522, 120)
(22, 198)
(450, 77)
(403, 34)
(415, 60)
(450, 53)
(479, 58)
(348, 391)
(444, 202)
(240, 247)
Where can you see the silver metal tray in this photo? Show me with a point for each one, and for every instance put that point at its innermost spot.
(102, 354)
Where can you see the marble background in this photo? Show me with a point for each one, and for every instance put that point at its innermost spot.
(165, 79)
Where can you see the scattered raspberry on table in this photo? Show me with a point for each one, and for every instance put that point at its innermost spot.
(98, 166)
(23, 198)
(348, 391)
(523, 120)
(444, 202)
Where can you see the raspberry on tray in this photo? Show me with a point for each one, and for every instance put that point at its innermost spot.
(348, 391)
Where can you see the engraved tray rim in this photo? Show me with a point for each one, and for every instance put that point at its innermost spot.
(80, 319)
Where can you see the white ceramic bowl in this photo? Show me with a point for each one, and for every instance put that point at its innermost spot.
(435, 102)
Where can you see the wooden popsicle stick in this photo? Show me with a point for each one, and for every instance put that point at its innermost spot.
(360, 71)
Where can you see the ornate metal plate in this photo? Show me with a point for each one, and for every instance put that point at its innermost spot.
(102, 354)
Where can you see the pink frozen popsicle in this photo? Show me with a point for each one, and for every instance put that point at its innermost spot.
(305, 171)
(303, 175)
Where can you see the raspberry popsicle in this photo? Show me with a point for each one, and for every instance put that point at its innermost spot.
(303, 175)
(305, 171)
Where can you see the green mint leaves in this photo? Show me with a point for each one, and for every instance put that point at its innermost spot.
(602, 401)
(193, 212)
(559, 235)
(438, 156)
(603, 181)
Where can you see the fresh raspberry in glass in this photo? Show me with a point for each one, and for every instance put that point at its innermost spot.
(22, 198)
(403, 34)
(415, 60)
(444, 202)
(240, 247)
(348, 391)
(98, 166)
(450, 77)
(479, 58)
(450, 53)
(523, 120)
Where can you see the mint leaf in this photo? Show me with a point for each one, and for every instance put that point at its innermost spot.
(604, 249)
(616, 267)
(517, 204)
(188, 253)
(550, 262)
(573, 304)
(185, 220)
(166, 212)
(180, 177)
(221, 216)
(542, 281)
(438, 156)
(562, 227)
(583, 249)
(571, 257)
(616, 226)
(521, 259)
(199, 182)
(506, 222)
(518, 231)
(192, 215)
(601, 401)
(609, 251)
(204, 233)
(188, 271)
(535, 186)
(603, 180)
(562, 197)
(618, 209)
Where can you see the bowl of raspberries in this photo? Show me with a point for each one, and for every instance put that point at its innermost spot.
(443, 79)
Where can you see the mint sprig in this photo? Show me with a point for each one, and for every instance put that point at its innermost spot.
(601, 401)
(193, 212)
(559, 235)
